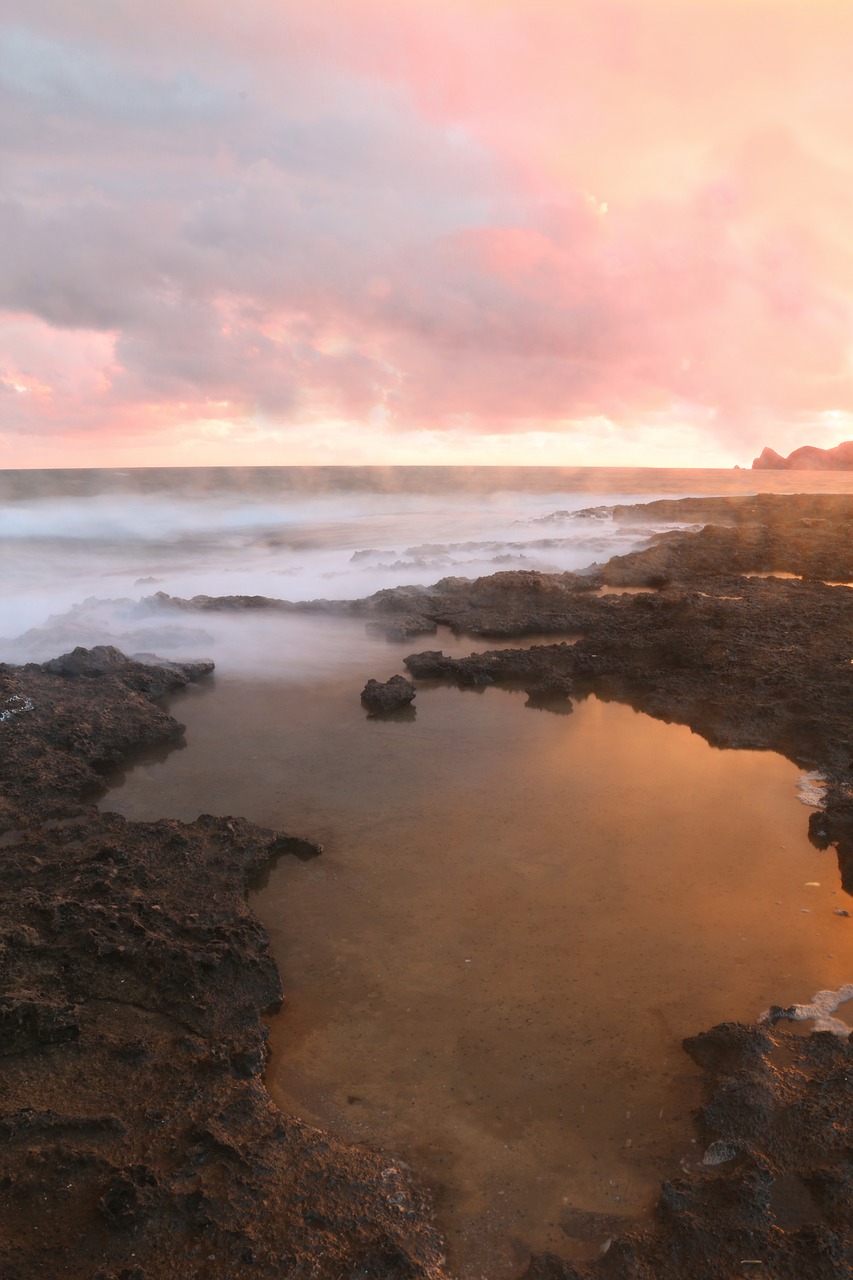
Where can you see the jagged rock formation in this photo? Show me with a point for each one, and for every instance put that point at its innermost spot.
(807, 458)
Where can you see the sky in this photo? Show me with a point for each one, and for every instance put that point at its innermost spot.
(568, 232)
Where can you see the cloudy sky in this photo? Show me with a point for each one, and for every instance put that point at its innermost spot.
(390, 231)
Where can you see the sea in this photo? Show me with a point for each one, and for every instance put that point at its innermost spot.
(517, 915)
(119, 537)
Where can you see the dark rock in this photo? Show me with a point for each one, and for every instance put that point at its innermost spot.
(388, 695)
(163, 997)
(129, 993)
(182, 672)
(26, 1023)
(103, 659)
(550, 687)
(728, 1047)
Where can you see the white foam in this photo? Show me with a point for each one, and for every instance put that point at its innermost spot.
(15, 706)
(811, 789)
(820, 1010)
(58, 552)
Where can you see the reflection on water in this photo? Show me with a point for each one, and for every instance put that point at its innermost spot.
(516, 919)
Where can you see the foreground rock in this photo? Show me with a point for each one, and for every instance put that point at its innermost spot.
(772, 1192)
(138, 1140)
(763, 663)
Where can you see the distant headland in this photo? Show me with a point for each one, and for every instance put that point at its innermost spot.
(807, 458)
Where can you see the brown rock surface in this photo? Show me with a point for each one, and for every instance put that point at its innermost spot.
(770, 1194)
(138, 1140)
(384, 696)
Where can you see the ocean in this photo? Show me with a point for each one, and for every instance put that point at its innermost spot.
(114, 538)
(518, 915)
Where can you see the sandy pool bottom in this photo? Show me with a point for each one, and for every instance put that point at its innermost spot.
(516, 918)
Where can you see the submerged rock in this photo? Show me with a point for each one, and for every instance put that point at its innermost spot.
(403, 628)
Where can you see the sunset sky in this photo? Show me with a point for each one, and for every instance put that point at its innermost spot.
(394, 231)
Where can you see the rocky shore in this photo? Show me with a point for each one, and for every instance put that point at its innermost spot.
(139, 1139)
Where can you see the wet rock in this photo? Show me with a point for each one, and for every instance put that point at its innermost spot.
(95, 662)
(182, 672)
(728, 1047)
(109, 936)
(89, 709)
(543, 665)
(550, 687)
(777, 1194)
(133, 1119)
(403, 628)
(388, 695)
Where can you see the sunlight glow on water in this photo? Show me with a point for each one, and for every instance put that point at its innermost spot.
(516, 919)
(518, 916)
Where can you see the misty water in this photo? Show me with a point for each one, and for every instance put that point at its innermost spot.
(303, 533)
(518, 915)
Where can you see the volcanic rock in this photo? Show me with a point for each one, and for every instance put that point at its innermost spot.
(549, 687)
(136, 1137)
(389, 695)
(136, 1133)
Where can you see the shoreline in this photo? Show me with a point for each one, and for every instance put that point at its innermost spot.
(744, 661)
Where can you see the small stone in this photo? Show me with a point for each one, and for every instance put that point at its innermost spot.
(719, 1153)
(388, 696)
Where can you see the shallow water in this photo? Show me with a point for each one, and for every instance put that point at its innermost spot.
(516, 919)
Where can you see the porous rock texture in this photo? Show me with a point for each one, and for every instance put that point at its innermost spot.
(383, 696)
(760, 662)
(772, 1194)
(189, 1167)
(137, 1140)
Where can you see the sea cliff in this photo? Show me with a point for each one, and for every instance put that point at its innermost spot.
(807, 458)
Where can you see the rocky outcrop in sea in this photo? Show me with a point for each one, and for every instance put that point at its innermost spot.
(807, 458)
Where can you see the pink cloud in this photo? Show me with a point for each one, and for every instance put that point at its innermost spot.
(509, 216)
